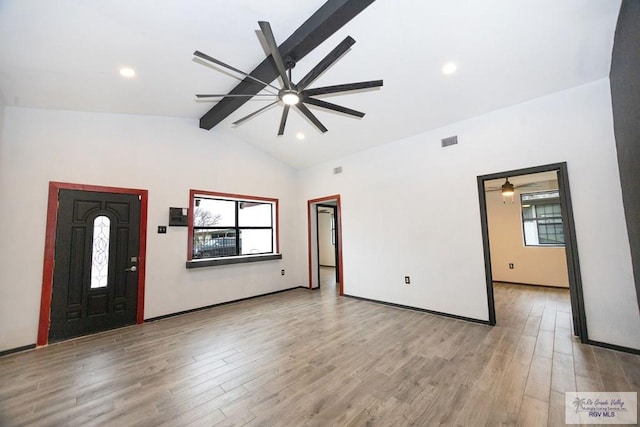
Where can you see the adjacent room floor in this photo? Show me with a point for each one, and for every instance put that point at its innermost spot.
(311, 358)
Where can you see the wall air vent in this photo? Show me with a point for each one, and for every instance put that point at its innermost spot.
(337, 170)
(447, 142)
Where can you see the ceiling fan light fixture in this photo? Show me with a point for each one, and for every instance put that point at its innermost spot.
(507, 188)
(290, 97)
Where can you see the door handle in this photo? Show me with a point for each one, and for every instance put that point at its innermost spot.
(133, 268)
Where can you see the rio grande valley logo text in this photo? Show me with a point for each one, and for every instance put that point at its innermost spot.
(601, 407)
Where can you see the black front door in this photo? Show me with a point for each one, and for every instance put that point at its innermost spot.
(95, 278)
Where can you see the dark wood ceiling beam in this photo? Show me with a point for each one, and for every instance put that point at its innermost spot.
(332, 16)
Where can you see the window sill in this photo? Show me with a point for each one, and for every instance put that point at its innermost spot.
(212, 262)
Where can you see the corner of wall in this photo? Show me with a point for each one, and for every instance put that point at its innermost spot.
(625, 102)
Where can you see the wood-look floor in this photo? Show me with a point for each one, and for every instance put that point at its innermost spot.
(312, 358)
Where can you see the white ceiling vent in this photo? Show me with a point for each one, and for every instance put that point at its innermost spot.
(447, 142)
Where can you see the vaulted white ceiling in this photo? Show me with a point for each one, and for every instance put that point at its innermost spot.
(66, 54)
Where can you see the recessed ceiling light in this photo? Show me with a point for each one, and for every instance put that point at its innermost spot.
(127, 72)
(300, 135)
(449, 68)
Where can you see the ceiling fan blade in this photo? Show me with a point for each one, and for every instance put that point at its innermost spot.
(326, 62)
(222, 64)
(275, 53)
(283, 121)
(528, 185)
(331, 106)
(304, 110)
(245, 118)
(232, 95)
(341, 88)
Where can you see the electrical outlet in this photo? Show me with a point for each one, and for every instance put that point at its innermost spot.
(407, 280)
(510, 266)
(282, 272)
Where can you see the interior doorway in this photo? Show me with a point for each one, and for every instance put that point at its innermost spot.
(540, 199)
(325, 240)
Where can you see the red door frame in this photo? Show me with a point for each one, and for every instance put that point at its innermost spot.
(310, 203)
(50, 243)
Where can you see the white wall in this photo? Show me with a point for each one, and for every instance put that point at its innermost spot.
(430, 215)
(167, 156)
(534, 265)
(326, 250)
(430, 210)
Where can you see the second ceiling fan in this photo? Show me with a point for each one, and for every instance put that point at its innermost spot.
(296, 95)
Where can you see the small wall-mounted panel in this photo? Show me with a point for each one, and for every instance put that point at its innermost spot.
(178, 217)
(447, 142)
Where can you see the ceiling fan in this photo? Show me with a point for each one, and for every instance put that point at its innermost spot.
(508, 188)
(295, 95)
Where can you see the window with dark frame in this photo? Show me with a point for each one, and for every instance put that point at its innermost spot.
(226, 227)
(542, 219)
